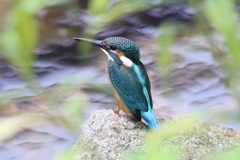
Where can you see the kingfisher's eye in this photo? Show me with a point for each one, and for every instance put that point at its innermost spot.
(113, 47)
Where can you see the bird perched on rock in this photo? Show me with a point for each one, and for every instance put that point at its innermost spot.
(128, 77)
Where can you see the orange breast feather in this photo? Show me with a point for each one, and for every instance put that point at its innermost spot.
(120, 103)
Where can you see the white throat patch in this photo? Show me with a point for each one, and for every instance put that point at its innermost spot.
(126, 61)
(109, 57)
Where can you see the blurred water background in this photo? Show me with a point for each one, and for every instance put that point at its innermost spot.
(50, 84)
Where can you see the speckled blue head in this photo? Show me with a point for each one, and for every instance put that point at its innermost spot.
(120, 44)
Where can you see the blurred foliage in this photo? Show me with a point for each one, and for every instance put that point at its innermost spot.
(214, 19)
(166, 39)
(65, 155)
(185, 125)
(21, 31)
(9, 126)
(218, 16)
(231, 153)
(73, 103)
(103, 12)
(19, 36)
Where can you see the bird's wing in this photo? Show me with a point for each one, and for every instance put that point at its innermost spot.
(147, 84)
(134, 94)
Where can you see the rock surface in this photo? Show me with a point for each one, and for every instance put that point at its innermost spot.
(108, 136)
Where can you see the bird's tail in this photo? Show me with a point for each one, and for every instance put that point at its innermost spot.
(150, 119)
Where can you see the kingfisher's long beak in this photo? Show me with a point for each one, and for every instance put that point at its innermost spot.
(97, 42)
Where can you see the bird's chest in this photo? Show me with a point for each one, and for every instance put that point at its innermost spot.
(115, 70)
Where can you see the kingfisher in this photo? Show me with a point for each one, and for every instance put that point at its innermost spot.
(128, 78)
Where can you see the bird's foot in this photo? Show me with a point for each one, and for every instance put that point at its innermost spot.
(116, 112)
